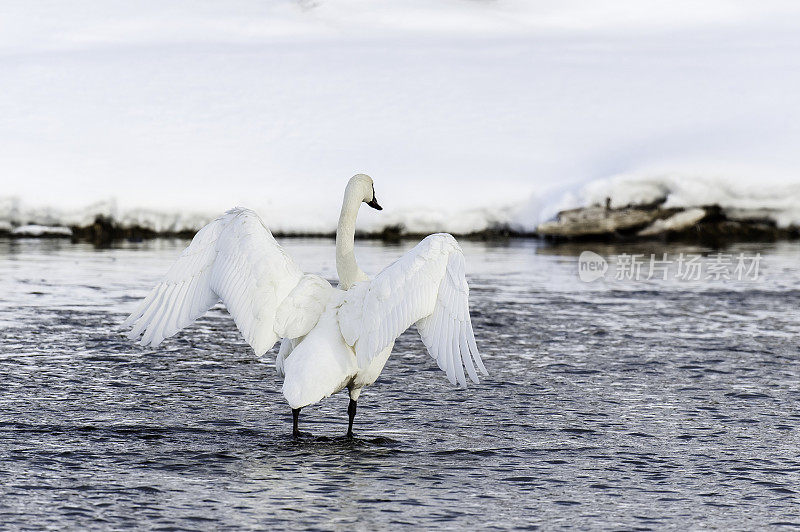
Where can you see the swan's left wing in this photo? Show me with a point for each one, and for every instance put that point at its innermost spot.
(426, 286)
(234, 259)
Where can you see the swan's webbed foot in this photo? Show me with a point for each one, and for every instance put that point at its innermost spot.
(295, 420)
(351, 412)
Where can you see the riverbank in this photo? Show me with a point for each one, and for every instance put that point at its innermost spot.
(708, 224)
(104, 230)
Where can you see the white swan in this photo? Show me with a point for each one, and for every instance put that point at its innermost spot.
(332, 337)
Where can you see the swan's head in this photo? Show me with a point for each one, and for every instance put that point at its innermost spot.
(361, 186)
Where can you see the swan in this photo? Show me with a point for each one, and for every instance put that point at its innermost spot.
(331, 338)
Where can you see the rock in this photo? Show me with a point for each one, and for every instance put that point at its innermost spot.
(596, 221)
(709, 224)
(101, 233)
(722, 231)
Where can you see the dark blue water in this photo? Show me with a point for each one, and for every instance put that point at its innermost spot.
(646, 405)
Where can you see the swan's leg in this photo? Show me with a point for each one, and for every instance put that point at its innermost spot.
(351, 409)
(295, 419)
(351, 412)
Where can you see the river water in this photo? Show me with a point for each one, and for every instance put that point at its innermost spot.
(620, 403)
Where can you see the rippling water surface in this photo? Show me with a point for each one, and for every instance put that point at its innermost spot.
(651, 404)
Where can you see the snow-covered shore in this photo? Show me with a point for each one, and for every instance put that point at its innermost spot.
(623, 207)
(17, 220)
(471, 115)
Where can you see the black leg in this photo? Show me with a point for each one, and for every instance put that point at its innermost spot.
(295, 418)
(351, 412)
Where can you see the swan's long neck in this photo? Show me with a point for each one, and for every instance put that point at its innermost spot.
(346, 266)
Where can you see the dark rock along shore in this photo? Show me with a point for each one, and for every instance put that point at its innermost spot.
(709, 223)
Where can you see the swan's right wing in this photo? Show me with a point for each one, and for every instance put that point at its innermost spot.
(235, 259)
(426, 286)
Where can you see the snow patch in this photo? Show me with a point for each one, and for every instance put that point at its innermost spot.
(41, 230)
(676, 222)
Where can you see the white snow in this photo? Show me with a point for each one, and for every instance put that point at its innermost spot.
(679, 220)
(40, 230)
(467, 113)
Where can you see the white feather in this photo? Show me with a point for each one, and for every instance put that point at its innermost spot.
(426, 286)
(234, 259)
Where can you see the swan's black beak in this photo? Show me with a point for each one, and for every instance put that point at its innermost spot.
(374, 202)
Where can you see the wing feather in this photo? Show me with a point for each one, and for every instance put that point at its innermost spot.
(426, 286)
(234, 259)
(465, 349)
(473, 348)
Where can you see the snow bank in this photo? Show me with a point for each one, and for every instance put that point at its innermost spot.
(467, 113)
(15, 216)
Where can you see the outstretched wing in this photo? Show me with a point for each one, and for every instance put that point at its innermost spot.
(235, 259)
(426, 286)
